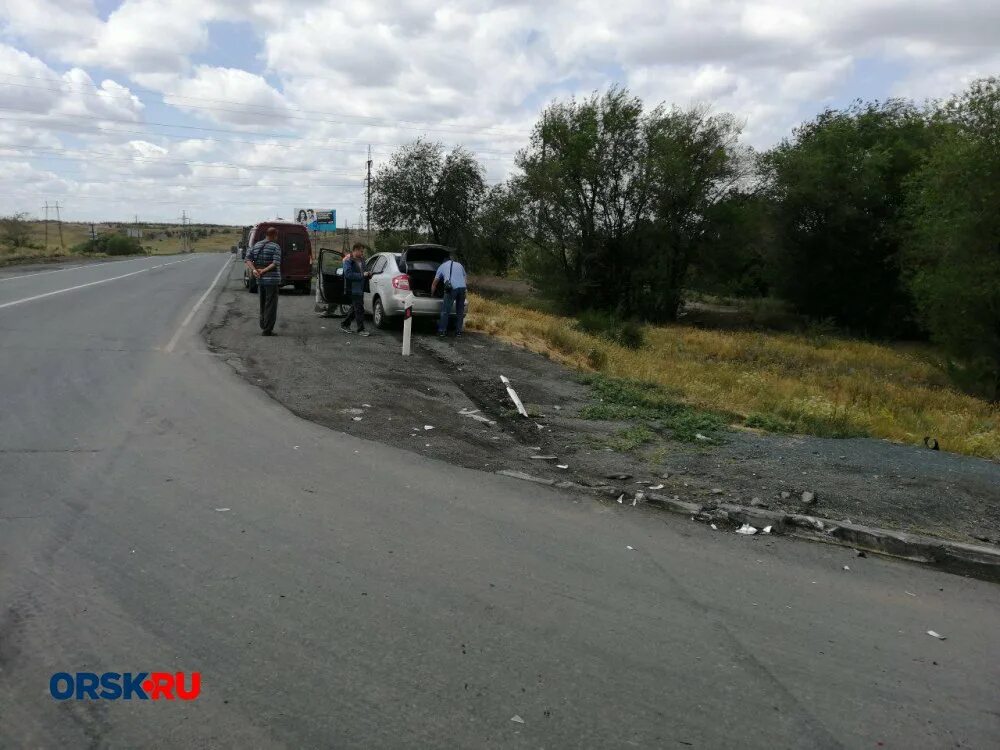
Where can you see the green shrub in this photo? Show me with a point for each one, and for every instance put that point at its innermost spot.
(611, 327)
(110, 244)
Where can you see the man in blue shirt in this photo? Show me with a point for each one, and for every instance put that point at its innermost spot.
(354, 286)
(264, 261)
(451, 274)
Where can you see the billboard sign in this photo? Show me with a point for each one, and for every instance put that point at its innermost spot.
(317, 220)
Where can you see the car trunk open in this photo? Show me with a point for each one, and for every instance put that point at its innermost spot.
(420, 263)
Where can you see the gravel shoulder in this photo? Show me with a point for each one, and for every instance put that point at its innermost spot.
(364, 387)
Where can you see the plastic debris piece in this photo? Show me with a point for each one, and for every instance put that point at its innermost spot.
(545, 458)
(514, 397)
(562, 466)
(428, 427)
(656, 487)
(367, 406)
(767, 529)
(847, 567)
(699, 436)
(935, 634)
(746, 529)
(517, 719)
(629, 546)
(621, 498)
(356, 419)
(909, 593)
(221, 510)
(295, 447)
(639, 496)
(714, 526)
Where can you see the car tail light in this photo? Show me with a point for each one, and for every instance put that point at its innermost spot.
(401, 282)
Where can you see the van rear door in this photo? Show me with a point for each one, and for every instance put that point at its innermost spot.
(296, 254)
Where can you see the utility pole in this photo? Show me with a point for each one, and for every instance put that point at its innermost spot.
(46, 226)
(368, 200)
(59, 222)
(184, 233)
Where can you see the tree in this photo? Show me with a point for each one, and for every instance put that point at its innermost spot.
(839, 190)
(424, 190)
(699, 172)
(953, 252)
(15, 230)
(499, 228)
(619, 201)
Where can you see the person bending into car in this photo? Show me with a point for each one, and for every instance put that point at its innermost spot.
(354, 283)
(264, 261)
(451, 274)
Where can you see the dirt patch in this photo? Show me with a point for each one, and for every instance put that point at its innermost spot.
(364, 387)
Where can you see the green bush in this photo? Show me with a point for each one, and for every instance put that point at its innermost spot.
(613, 328)
(110, 244)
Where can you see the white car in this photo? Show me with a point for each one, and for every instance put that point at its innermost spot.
(394, 276)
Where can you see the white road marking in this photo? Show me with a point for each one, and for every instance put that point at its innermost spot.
(67, 268)
(82, 286)
(180, 329)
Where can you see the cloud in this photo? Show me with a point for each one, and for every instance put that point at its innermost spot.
(228, 95)
(30, 87)
(336, 75)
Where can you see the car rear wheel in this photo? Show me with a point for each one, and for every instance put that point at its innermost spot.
(379, 316)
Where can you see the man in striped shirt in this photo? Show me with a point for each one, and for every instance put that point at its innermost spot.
(264, 261)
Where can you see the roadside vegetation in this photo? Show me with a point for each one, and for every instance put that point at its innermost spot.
(23, 239)
(690, 380)
(845, 282)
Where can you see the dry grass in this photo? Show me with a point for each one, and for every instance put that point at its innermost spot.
(819, 385)
(154, 240)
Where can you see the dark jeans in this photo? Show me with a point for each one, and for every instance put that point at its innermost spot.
(268, 306)
(458, 297)
(357, 312)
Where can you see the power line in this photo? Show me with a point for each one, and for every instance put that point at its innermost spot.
(61, 153)
(199, 128)
(246, 108)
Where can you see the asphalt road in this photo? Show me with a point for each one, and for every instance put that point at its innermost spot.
(355, 595)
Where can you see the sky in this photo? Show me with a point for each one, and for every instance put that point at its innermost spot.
(232, 111)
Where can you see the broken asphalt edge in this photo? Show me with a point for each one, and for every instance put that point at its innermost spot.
(975, 561)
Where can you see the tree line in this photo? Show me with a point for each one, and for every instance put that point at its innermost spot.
(882, 218)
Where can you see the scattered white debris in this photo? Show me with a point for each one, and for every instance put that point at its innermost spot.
(934, 634)
(557, 408)
(620, 498)
(356, 419)
(847, 567)
(714, 526)
(910, 593)
(295, 447)
(562, 466)
(656, 487)
(629, 546)
(517, 719)
(514, 397)
(367, 406)
(545, 458)
(699, 436)
(221, 510)
(638, 496)
(427, 445)
(746, 529)
(767, 529)
(428, 427)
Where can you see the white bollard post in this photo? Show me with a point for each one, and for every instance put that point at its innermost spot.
(407, 324)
